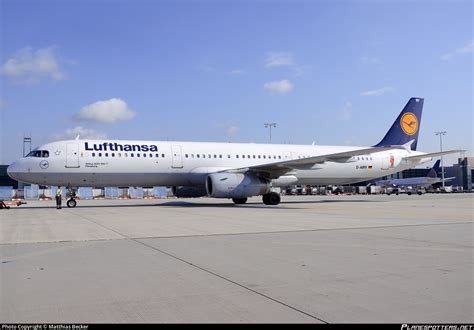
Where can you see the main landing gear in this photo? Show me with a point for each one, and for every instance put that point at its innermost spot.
(272, 198)
(71, 202)
(240, 200)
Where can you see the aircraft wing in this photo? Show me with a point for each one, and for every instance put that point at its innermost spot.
(276, 169)
(431, 155)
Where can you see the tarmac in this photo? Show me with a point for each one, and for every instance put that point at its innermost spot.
(311, 259)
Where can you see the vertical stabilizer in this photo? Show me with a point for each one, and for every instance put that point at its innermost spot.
(407, 125)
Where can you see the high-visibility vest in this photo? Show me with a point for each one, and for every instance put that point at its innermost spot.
(58, 193)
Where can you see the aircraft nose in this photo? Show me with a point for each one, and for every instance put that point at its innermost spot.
(13, 171)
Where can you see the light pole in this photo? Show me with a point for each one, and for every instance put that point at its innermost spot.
(441, 133)
(270, 125)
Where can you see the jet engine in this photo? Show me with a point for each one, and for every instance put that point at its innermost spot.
(189, 191)
(235, 185)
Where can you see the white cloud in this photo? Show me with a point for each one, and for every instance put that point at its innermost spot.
(207, 68)
(279, 59)
(107, 112)
(30, 66)
(232, 130)
(378, 92)
(84, 133)
(282, 86)
(346, 112)
(369, 60)
(467, 49)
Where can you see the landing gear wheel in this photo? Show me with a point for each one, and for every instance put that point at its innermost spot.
(240, 200)
(71, 203)
(271, 198)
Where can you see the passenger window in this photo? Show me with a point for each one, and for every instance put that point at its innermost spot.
(228, 156)
(144, 155)
(113, 154)
(197, 155)
(186, 155)
(220, 156)
(264, 157)
(93, 154)
(119, 155)
(253, 156)
(209, 156)
(106, 154)
(131, 155)
(279, 157)
(163, 155)
(215, 156)
(236, 156)
(192, 155)
(258, 156)
(100, 154)
(151, 155)
(138, 155)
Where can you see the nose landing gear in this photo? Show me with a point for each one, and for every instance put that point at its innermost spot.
(71, 202)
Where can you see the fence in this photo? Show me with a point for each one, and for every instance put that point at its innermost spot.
(31, 192)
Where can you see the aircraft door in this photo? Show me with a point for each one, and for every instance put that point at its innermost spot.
(72, 155)
(176, 157)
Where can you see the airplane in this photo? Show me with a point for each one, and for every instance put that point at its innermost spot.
(222, 170)
(421, 181)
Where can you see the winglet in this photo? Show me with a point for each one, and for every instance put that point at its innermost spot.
(77, 137)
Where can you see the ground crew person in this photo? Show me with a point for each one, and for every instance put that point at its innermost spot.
(58, 197)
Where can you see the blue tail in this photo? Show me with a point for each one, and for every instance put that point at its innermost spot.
(407, 125)
(433, 173)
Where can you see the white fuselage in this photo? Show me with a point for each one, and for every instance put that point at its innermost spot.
(77, 163)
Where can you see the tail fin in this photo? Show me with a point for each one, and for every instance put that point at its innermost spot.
(433, 173)
(406, 126)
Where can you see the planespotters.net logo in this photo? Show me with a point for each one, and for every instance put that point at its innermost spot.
(437, 327)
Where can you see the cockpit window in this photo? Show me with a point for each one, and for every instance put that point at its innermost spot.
(39, 153)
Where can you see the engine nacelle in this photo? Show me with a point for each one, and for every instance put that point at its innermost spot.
(189, 191)
(235, 185)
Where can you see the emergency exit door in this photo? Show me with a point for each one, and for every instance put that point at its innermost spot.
(176, 157)
(72, 155)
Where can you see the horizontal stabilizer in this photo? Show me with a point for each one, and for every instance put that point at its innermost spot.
(433, 154)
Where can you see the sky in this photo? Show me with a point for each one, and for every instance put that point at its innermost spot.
(332, 72)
